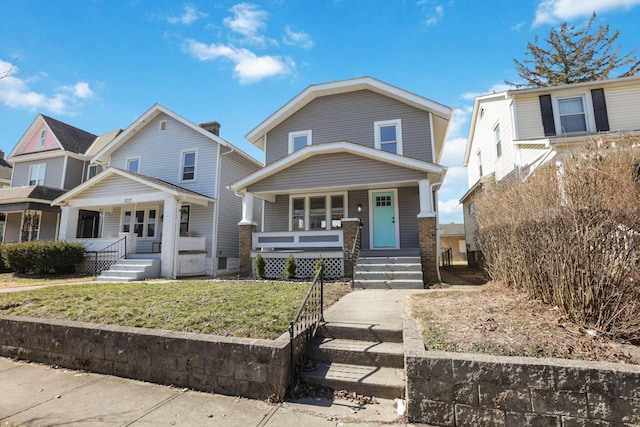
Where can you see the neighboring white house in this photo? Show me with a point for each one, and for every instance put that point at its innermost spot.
(515, 131)
(162, 185)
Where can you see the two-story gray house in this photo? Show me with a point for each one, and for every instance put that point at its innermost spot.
(338, 155)
(160, 187)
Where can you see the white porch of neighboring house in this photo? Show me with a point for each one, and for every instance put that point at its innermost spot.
(154, 220)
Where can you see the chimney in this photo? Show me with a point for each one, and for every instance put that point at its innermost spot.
(1, 154)
(213, 127)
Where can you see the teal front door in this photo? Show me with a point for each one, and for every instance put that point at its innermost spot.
(384, 219)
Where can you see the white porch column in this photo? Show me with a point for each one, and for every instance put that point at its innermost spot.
(426, 199)
(247, 209)
(170, 231)
(68, 223)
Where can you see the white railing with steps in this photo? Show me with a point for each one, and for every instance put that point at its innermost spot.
(131, 269)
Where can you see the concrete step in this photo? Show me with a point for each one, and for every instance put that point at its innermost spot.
(380, 354)
(362, 331)
(386, 383)
(129, 270)
(388, 284)
(388, 267)
(388, 275)
(389, 260)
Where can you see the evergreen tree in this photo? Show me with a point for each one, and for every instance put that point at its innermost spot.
(574, 55)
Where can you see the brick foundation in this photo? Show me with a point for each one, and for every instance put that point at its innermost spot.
(428, 249)
(245, 245)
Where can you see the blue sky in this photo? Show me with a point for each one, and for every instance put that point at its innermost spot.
(99, 64)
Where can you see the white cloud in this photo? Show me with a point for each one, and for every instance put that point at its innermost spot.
(15, 93)
(435, 16)
(248, 67)
(189, 16)
(552, 11)
(248, 19)
(496, 88)
(450, 211)
(294, 38)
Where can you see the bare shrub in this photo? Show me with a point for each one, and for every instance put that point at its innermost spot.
(570, 234)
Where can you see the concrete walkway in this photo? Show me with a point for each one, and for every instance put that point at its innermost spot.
(39, 395)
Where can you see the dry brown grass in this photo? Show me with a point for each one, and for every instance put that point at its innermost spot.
(14, 280)
(495, 319)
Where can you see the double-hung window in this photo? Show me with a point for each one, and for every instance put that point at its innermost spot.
(498, 140)
(572, 115)
(388, 136)
(143, 222)
(317, 212)
(479, 159)
(188, 169)
(36, 174)
(298, 140)
(133, 164)
(43, 138)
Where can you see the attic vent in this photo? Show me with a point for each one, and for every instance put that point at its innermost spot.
(213, 127)
(163, 125)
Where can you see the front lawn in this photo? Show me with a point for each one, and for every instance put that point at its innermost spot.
(233, 308)
(15, 280)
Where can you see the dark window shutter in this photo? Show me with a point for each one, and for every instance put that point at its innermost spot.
(546, 109)
(600, 110)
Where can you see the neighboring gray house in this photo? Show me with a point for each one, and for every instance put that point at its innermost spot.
(48, 160)
(161, 184)
(339, 154)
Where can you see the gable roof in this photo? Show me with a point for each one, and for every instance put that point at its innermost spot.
(441, 112)
(335, 147)
(452, 229)
(147, 117)
(38, 193)
(158, 184)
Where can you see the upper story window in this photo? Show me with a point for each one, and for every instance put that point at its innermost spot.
(298, 140)
(92, 171)
(36, 174)
(163, 125)
(498, 140)
(188, 169)
(133, 164)
(572, 115)
(479, 158)
(43, 138)
(388, 136)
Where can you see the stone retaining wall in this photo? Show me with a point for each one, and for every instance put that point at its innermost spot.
(455, 389)
(233, 366)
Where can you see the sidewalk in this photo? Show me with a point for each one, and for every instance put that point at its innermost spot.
(39, 395)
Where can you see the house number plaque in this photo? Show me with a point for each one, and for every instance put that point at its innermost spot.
(128, 200)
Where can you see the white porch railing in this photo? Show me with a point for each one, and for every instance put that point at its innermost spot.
(297, 239)
(191, 244)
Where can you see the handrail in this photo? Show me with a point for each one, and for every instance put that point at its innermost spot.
(305, 323)
(109, 255)
(353, 256)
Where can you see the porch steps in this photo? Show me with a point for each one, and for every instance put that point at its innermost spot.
(389, 272)
(358, 358)
(130, 270)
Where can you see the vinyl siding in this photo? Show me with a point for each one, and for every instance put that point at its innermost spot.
(276, 215)
(48, 226)
(350, 117)
(335, 170)
(360, 197)
(233, 168)
(529, 117)
(160, 154)
(115, 185)
(52, 176)
(111, 223)
(408, 209)
(201, 222)
(33, 144)
(12, 227)
(622, 108)
(74, 175)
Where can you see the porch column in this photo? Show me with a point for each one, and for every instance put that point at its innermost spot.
(426, 198)
(245, 246)
(170, 230)
(68, 223)
(247, 209)
(428, 248)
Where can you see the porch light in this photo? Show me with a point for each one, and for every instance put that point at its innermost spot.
(359, 208)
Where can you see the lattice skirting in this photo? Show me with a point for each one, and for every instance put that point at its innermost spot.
(92, 266)
(305, 267)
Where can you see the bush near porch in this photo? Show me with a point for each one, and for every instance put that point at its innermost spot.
(42, 257)
(570, 235)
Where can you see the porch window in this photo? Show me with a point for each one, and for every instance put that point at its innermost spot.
(188, 166)
(298, 140)
(318, 212)
(133, 165)
(298, 214)
(143, 222)
(88, 224)
(138, 225)
(36, 174)
(30, 226)
(151, 223)
(388, 136)
(185, 211)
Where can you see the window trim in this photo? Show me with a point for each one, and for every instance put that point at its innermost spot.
(497, 139)
(22, 218)
(328, 208)
(39, 166)
(89, 171)
(308, 133)
(195, 165)
(128, 159)
(558, 117)
(145, 223)
(479, 160)
(376, 132)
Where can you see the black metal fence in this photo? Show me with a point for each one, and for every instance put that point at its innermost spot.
(97, 261)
